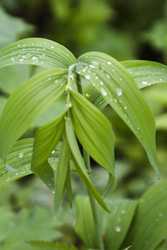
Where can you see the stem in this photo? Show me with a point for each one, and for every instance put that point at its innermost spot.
(98, 236)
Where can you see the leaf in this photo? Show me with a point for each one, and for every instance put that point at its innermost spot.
(61, 174)
(36, 51)
(118, 88)
(149, 227)
(3, 101)
(93, 130)
(16, 233)
(11, 28)
(161, 122)
(114, 225)
(20, 159)
(44, 245)
(12, 77)
(27, 103)
(46, 139)
(79, 163)
(146, 73)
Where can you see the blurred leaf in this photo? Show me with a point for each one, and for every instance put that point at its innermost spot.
(114, 225)
(161, 122)
(118, 88)
(44, 245)
(79, 163)
(36, 51)
(3, 101)
(149, 227)
(11, 28)
(12, 77)
(15, 233)
(146, 73)
(27, 103)
(157, 35)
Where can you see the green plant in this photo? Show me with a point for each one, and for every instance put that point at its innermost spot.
(84, 86)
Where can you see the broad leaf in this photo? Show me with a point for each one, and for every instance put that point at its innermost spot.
(118, 88)
(27, 103)
(149, 227)
(61, 173)
(79, 163)
(93, 130)
(146, 73)
(114, 225)
(36, 51)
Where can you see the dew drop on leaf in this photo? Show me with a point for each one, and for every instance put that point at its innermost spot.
(87, 77)
(20, 155)
(118, 229)
(144, 82)
(34, 58)
(104, 93)
(118, 91)
(9, 168)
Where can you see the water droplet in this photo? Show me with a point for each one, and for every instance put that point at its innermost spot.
(109, 63)
(118, 229)
(12, 59)
(144, 82)
(104, 93)
(16, 174)
(87, 77)
(52, 47)
(20, 155)
(34, 58)
(160, 214)
(8, 179)
(123, 211)
(21, 60)
(125, 107)
(18, 45)
(118, 91)
(49, 78)
(108, 76)
(101, 82)
(95, 64)
(9, 168)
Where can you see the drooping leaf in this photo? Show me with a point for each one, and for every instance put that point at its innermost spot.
(36, 51)
(27, 103)
(46, 139)
(114, 225)
(61, 173)
(118, 88)
(93, 130)
(45, 245)
(79, 163)
(146, 73)
(149, 227)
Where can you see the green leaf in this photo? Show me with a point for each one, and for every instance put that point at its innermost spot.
(61, 174)
(161, 122)
(46, 139)
(15, 233)
(149, 227)
(79, 163)
(114, 225)
(119, 89)
(146, 73)
(3, 101)
(36, 51)
(12, 77)
(19, 159)
(11, 28)
(43, 245)
(27, 103)
(93, 130)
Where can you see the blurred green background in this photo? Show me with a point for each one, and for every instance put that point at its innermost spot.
(126, 30)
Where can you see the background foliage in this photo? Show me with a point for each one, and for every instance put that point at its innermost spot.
(125, 30)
